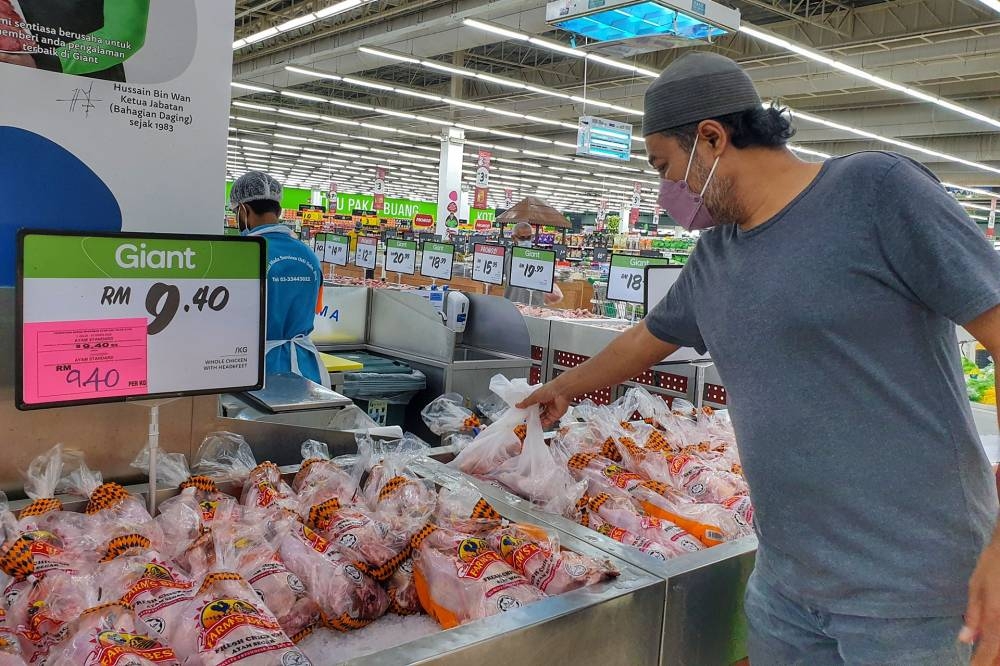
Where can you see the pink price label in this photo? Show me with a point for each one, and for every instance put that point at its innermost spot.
(494, 250)
(66, 361)
(367, 240)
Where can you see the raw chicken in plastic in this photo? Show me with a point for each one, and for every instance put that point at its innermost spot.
(447, 415)
(10, 650)
(160, 593)
(348, 598)
(622, 513)
(459, 578)
(536, 555)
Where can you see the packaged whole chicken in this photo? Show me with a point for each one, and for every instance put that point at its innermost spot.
(402, 590)
(111, 497)
(160, 593)
(348, 598)
(448, 415)
(234, 627)
(251, 547)
(226, 455)
(536, 555)
(620, 512)
(10, 650)
(460, 578)
(396, 493)
(319, 470)
(100, 629)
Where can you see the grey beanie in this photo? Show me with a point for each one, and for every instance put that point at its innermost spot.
(254, 186)
(695, 87)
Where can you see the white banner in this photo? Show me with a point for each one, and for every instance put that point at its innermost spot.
(119, 128)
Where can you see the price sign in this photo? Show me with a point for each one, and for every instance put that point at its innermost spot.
(367, 252)
(111, 317)
(319, 246)
(560, 251)
(438, 260)
(600, 255)
(627, 278)
(532, 269)
(336, 248)
(487, 263)
(659, 280)
(401, 256)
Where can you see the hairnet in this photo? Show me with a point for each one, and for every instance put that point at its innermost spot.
(695, 87)
(254, 186)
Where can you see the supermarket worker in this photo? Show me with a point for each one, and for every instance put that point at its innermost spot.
(827, 294)
(523, 235)
(294, 278)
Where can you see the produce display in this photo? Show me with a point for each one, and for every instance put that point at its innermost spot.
(981, 382)
(663, 481)
(243, 564)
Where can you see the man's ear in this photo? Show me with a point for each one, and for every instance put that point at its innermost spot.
(714, 134)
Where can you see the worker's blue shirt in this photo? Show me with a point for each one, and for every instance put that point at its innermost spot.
(294, 280)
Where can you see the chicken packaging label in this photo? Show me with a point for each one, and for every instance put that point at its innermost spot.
(158, 589)
(742, 509)
(233, 630)
(640, 543)
(622, 478)
(518, 553)
(122, 649)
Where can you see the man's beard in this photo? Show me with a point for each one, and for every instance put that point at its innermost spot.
(720, 197)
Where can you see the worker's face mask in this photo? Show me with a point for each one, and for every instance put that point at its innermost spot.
(524, 243)
(685, 207)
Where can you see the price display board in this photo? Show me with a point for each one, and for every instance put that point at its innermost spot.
(659, 280)
(401, 256)
(438, 260)
(600, 255)
(111, 317)
(336, 249)
(367, 252)
(487, 263)
(560, 251)
(319, 246)
(532, 269)
(627, 278)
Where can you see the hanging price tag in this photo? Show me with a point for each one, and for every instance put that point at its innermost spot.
(367, 252)
(437, 261)
(626, 280)
(401, 256)
(108, 317)
(532, 269)
(487, 263)
(336, 248)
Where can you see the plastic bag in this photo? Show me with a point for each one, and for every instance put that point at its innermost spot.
(318, 471)
(447, 414)
(225, 455)
(492, 408)
(348, 598)
(41, 480)
(251, 548)
(462, 508)
(10, 649)
(622, 513)
(459, 578)
(352, 419)
(265, 489)
(530, 470)
(535, 554)
(111, 497)
(392, 489)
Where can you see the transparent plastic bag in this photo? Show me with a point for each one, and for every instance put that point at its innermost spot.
(10, 649)
(622, 512)
(225, 455)
(535, 554)
(172, 469)
(459, 578)
(391, 488)
(111, 497)
(264, 489)
(529, 470)
(352, 419)
(447, 414)
(348, 598)
(42, 478)
(251, 549)
(492, 408)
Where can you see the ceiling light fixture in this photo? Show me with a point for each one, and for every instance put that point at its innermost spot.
(299, 22)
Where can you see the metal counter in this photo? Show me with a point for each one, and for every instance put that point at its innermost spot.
(703, 620)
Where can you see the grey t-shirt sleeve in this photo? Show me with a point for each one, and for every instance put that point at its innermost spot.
(933, 247)
(673, 319)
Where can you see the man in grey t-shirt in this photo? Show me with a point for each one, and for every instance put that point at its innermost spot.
(827, 296)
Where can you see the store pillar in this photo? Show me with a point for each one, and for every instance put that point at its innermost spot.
(450, 180)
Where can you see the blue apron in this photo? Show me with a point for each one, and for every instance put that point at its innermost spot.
(294, 278)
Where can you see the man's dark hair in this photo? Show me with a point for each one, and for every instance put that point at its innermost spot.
(265, 206)
(754, 128)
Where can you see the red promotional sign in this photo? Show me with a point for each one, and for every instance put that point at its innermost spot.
(508, 198)
(480, 200)
(483, 225)
(379, 189)
(422, 221)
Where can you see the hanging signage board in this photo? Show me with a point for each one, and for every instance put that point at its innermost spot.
(110, 317)
(437, 261)
(532, 269)
(627, 278)
(487, 263)
(367, 252)
(336, 249)
(607, 139)
(401, 256)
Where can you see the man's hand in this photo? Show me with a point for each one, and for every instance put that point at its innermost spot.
(982, 617)
(552, 400)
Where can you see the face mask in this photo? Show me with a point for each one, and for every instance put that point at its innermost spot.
(685, 207)
(524, 243)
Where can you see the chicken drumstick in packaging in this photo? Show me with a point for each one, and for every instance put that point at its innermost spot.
(226, 455)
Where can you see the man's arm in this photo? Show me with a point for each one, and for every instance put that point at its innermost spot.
(630, 354)
(555, 297)
(982, 617)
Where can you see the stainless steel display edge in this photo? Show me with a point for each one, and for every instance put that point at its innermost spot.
(704, 589)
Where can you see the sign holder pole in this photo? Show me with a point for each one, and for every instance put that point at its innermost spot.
(153, 443)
